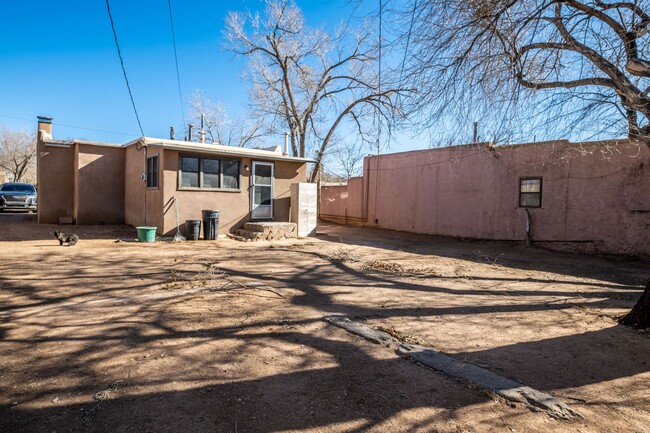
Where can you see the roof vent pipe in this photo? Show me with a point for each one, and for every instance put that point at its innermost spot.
(190, 127)
(171, 133)
(286, 143)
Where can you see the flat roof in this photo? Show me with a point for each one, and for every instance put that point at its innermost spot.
(189, 146)
(192, 146)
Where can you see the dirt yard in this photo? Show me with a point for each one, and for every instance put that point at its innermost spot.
(225, 336)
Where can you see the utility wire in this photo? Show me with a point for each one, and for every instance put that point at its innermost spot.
(178, 76)
(119, 53)
(71, 126)
(379, 122)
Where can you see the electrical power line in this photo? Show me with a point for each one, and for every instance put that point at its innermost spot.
(379, 122)
(178, 75)
(72, 126)
(119, 53)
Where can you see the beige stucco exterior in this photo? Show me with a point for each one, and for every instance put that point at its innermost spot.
(233, 205)
(56, 174)
(98, 183)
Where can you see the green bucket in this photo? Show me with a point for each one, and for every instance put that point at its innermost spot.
(146, 234)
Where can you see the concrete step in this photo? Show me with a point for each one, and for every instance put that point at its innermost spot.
(276, 230)
(253, 236)
(268, 231)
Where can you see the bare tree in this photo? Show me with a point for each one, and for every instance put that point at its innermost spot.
(221, 128)
(564, 65)
(532, 66)
(17, 151)
(309, 81)
(347, 160)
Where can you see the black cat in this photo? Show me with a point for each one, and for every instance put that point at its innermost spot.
(69, 239)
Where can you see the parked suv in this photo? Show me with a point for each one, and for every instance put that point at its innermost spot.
(20, 196)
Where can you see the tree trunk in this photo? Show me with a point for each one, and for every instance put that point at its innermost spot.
(639, 317)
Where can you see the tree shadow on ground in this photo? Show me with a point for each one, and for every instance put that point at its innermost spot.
(616, 269)
(86, 354)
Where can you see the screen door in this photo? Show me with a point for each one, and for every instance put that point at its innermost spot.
(262, 190)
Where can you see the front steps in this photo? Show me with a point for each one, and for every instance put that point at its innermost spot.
(268, 231)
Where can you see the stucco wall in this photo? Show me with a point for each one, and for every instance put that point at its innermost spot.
(99, 185)
(55, 172)
(233, 206)
(596, 196)
(134, 187)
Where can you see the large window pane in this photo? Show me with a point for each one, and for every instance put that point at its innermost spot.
(189, 179)
(209, 173)
(189, 164)
(210, 166)
(230, 174)
(210, 180)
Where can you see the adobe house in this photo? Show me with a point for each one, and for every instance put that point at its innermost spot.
(136, 183)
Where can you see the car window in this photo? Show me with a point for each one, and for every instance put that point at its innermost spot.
(17, 187)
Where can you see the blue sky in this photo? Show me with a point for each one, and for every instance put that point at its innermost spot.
(59, 59)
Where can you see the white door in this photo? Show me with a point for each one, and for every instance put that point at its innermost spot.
(262, 190)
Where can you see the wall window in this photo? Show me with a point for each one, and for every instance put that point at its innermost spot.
(530, 192)
(208, 173)
(152, 171)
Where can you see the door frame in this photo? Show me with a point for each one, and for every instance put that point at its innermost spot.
(252, 188)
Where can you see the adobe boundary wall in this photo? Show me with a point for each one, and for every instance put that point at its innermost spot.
(595, 195)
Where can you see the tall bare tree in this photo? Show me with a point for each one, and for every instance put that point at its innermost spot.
(558, 65)
(309, 81)
(571, 65)
(17, 151)
(220, 128)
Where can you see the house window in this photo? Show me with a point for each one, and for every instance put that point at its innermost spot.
(152, 171)
(208, 173)
(530, 192)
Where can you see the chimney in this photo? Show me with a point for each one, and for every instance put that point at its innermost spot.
(171, 133)
(286, 144)
(45, 127)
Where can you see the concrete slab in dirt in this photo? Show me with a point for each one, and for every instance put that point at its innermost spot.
(486, 380)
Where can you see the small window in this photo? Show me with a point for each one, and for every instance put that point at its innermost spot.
(530, 192)
(209, 173)
(152, 171)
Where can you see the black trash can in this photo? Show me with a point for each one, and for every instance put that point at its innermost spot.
(193, 229)
(210, 225)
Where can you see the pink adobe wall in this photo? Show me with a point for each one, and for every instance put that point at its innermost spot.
(596, 196)
(343, 200)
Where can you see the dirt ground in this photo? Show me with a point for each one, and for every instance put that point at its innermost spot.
(222, 336)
